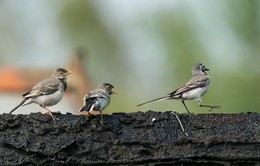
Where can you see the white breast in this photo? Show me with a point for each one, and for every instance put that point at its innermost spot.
(195, 93)
(47, 100)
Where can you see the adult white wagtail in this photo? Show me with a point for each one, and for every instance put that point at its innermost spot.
(98, 99)
(47, 92)
(196, 87)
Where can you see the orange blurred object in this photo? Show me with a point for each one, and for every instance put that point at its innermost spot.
(10, 80)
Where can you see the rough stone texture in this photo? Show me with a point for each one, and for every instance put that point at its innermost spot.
(151, 138)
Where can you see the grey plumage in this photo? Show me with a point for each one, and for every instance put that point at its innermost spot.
(47, 92)
(98, 99)
(195, 88)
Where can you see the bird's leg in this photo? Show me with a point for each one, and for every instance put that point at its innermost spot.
(49, 113)
(88, 112)
(102, 120)
(91, 109)
(186, 107)
(209, 106)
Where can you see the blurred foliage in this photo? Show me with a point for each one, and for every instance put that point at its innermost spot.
(181, 43)
(233, 86)
(244, 18)
(84, 26)
(175, 29)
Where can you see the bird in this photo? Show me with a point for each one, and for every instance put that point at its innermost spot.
(47, 92)
(98, 99)
(195, 88)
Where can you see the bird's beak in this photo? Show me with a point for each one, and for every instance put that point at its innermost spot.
(69, 72)
(113, 92)
(206, 69)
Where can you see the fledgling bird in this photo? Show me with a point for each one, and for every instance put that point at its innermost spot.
(98, 99)
(47, 92)
(195, 88)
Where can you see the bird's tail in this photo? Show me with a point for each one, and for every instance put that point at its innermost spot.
(85, 107)
(82, 109)
(155, 100)
(19, 105)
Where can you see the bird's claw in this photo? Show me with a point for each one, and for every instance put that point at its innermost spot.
(212, 107)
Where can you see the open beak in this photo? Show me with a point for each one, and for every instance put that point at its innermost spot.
(69, 72)
(206, 69)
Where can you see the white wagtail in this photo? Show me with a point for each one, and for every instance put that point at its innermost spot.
(47, 92)
(193, 89)
(98, 99)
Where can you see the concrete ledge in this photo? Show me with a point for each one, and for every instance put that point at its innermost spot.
(151, 138)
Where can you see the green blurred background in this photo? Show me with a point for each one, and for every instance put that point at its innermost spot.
(145, 48)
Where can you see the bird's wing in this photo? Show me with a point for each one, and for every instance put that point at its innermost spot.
(90, 99)
(93, 94)
(195, 82)
(45, 87)
(88, 103)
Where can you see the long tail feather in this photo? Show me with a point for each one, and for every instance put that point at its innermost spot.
(19, 105)
(82, 108)
(155, 100)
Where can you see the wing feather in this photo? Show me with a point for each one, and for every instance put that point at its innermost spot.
(194, 83)
(45, 87)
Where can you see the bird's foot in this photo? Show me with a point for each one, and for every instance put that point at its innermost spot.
(210, 106)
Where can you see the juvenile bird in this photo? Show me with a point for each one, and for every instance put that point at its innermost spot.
(47, 92)
(195, 88)
(98, 99)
